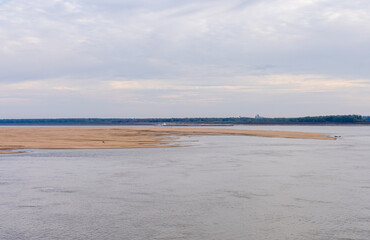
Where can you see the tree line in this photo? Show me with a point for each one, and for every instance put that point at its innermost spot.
(332, 119)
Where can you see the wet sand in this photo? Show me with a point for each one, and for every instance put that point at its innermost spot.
(12, 138)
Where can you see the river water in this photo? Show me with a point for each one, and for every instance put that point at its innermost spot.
(216, 187)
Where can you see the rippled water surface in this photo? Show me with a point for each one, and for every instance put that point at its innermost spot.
(218, 187)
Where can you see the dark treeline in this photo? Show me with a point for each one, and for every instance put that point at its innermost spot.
(334, 119)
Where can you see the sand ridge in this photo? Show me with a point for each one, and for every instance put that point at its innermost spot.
(120, 137)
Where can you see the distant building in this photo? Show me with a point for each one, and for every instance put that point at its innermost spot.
(258, 116)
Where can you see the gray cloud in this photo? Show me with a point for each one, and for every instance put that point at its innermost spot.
(84, 45)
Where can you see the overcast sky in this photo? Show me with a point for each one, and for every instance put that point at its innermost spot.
(169, 58)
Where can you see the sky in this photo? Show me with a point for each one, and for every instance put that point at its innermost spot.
(192, 58)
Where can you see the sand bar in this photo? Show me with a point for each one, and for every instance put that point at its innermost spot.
(120, 137)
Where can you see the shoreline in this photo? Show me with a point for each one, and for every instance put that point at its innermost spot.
(185, 125)
(14, 139)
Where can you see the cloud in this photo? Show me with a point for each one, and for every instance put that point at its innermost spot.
(23, 85)
(263, 84)
(162, 85)
(64, 88)
(121, 38)
(35, 86)
(99, 49)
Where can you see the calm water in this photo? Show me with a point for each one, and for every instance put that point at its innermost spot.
(225, 187)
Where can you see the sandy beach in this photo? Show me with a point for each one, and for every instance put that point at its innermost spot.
(13, 139)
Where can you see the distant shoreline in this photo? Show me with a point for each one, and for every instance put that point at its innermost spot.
(184, 125)
(228, 121)
(19, 138)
